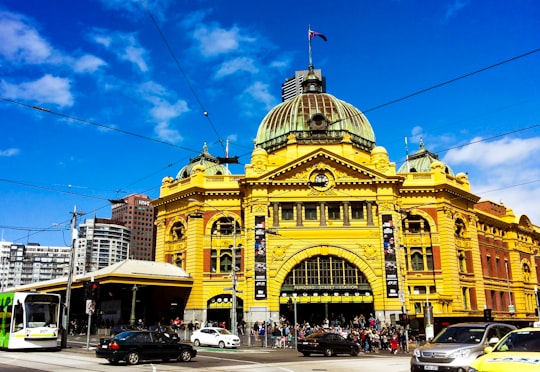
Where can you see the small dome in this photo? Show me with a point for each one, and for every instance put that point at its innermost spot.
(206, 163)
(422, 161)
(314, 117)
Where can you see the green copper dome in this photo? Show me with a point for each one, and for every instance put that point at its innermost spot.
(421, 161)
(314, 118)
(206, 163)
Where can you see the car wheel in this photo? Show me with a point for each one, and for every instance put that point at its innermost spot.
(328, 352)
(306, 353)
(221, 344)
(133, 358)
(185, 356)
(197, 342)
(354, 352)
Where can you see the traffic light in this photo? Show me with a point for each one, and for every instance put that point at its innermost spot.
(94, 291)
(487, 315)
(403, 319)
(87, 290)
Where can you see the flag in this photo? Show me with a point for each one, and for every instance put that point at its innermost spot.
(312, 34)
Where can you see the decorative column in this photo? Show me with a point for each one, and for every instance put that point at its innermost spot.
(299, 221)
(322, 207)
(346, 219)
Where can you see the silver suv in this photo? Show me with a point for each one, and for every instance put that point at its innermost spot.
(455, 347)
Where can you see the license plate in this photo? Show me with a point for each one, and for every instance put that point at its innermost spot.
(104, 346)
(431, 368)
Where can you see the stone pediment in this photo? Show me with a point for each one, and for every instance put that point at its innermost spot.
(337, 169)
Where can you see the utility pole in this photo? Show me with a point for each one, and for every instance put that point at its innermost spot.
(74, 236)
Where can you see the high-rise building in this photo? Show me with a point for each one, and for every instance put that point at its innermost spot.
(292, 86)
(137, 213)
(101, 243)
(24, 264)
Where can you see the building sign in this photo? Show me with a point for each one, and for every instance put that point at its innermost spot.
(260, 258)
(390, 263)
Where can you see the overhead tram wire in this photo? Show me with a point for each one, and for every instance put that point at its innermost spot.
(84, 121)
(188, 83)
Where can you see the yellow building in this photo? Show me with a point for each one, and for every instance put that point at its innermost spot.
(324, 223)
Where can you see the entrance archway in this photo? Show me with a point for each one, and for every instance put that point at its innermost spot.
(326, 288)
(219, 310)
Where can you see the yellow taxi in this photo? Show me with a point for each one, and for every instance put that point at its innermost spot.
(518, 351)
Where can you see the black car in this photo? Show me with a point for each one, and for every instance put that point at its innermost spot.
(134, 346)
(328, 344)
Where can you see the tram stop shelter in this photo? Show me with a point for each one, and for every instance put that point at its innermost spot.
(126, 293)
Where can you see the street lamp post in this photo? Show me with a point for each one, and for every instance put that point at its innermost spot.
(537, 302)
(233, 290)
(67, 306)
(295, 322)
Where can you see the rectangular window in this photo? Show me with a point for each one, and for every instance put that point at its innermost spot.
(310, 211)
(287, 211)
(334, 211)
(357, 210)
(429, 259)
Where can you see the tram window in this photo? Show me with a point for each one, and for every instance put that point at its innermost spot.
(18, 319)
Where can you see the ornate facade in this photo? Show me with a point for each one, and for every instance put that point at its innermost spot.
(324, 221)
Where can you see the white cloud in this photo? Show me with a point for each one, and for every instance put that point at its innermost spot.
(235, 65)
(163, 111)
(214, 40)
(48, 89)
(260, 92)
(491, 154)
(455, 7)
(88, 63)
(21, 42)
(125, 46)
(9, 152)
(165, 133)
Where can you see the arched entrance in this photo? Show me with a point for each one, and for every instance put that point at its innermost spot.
(326, 287)
(219, 310)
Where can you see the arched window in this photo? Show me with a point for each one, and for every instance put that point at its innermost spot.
(328, 272)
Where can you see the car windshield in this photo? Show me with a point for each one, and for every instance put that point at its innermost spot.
(521, 341)
(460, 335)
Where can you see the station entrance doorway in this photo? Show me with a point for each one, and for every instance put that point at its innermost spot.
(326, 289)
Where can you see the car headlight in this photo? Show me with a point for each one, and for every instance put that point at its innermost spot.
(460, 354)
(471, 369)
(417, 353)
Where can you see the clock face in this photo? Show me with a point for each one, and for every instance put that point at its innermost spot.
(321, 180)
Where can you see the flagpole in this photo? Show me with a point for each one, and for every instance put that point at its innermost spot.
(309, 44)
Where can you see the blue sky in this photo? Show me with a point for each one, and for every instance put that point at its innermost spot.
(126, 112)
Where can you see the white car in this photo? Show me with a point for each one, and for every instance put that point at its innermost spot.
(215, 336)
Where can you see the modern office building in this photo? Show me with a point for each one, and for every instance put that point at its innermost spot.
(101, 243)
(292, 86)
(324, 220)
(24, 264)
(137, 214)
